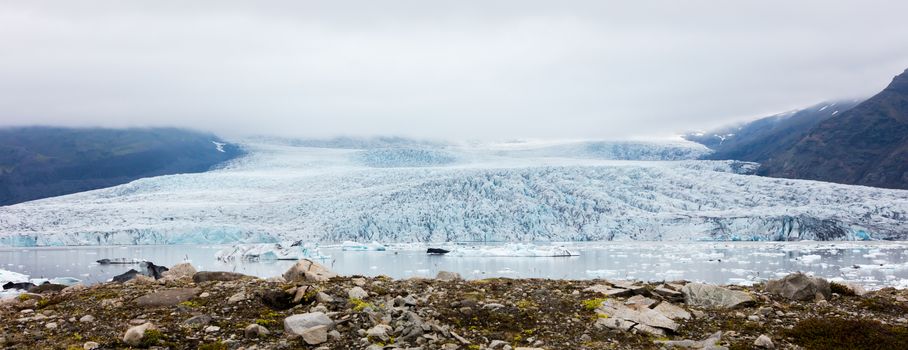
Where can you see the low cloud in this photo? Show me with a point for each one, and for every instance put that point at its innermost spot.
(465, 69)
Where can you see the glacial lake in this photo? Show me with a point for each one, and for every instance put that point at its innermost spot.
(872, 264)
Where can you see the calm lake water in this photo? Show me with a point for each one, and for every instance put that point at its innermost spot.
(872, 264)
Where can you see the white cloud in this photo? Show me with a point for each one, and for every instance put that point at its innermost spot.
(466, 69)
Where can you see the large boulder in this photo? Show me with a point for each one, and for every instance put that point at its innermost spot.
(307, 270)
(800, 287)
(135, 335)
(448, 276)
(149, 269)
(357, 293)
(315, 335)
(297, 325)
(707, 295)
(617, 315)
(179, 271)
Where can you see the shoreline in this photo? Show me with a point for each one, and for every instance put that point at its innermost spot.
(310, 307)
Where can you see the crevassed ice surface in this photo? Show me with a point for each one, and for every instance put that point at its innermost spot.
(565, 191)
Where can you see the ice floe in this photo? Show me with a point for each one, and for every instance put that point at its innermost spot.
(269, 252)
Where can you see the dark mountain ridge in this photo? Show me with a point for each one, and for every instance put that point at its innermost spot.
(849, 142)
(867, 145)
(41, 162)
(759, 140)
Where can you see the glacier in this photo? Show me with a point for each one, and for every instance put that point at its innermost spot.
(525, 191)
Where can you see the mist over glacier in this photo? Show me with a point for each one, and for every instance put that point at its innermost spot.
(427, 192)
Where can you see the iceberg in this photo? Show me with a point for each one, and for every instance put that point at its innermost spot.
(362, 247)
(269, 252)
(513, 250)
(10, 276)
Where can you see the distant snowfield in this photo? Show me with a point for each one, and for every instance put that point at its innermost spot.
(542, 191)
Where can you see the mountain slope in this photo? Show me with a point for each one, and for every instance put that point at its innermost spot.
(867, 145)
(40, 162)
(280, 192)
(760, 140)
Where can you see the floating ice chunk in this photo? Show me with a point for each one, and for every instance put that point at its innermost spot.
(876, 253)
(268, 251)
(768, 254)
(362, 247)
(602, 273)
(809, 259)
(9, 276)
(514, 250)
(741, 281)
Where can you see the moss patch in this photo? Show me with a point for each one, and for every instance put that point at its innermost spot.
(837, 333)
(593, 304)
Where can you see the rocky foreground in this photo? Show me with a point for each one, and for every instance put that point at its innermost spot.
(310, 307)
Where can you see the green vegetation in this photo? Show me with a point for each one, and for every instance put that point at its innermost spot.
(151, 338)
(593, 304)
(360, 305)
(191, 304)
(837, 333)
(526, 304)
(214, 346)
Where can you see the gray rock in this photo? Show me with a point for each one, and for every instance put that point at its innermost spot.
(379, 332)
(238, 297)
(497, 344)
(672, 311)
(711, 343)
(707, 295)
(256, 331)
(609, 291)
(855, 288)
(222, 276)
(91, 345)
(621, 316)
(323, 298)
(47, 288)
(800, 287)
(212, 329)
(134, 335)
(87, 319)
(167, 297)
(669, 294)
(179, 271)
(295, 325)
(764, 342)
(197, 321)
(301, 293)
(640, 301)
(315, 335)
(448, 276)
(357, 293)
(307, 270)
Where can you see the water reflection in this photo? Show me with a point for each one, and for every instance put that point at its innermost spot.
(874, 264)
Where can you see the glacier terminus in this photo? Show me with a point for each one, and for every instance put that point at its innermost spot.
(410, 191)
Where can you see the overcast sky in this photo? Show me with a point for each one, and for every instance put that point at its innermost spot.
(439, 69)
